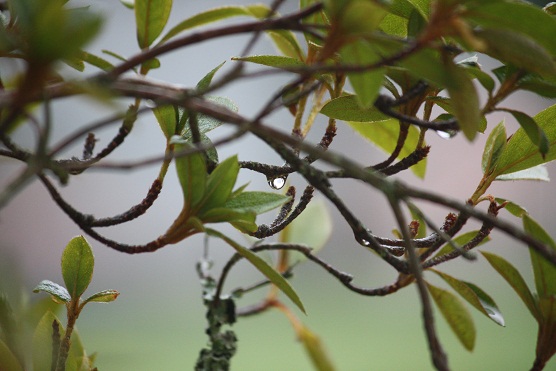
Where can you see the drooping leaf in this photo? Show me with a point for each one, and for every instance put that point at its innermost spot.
(204, 83)
(151, 17)
(514, 278)
(474, 296)
(276, 278)
(346, 108)
(77, 266)
(493, 148)
(456, 315)
(385, 134)
(512, 207)
(315, 349)
(538, 172)
(104, 296)
(544, 271)
(8, 360)
(58, 293)
(42, 341)
(520, 153)
(258, 202)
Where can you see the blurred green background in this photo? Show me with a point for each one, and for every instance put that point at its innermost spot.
(158, 321)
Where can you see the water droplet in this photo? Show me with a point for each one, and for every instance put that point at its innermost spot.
(277, 182)
(448, 134)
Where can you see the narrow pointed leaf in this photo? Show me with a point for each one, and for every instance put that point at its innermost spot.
(287, 43)
(493, 148)
(104, 296)
(461, 240)
(276, 61)
(474, 296)
(514, 278)
(204, 83)
(151, 17)
(220, 184)
(346, 108)
(455, 314)
(8, 360)
(539, 172)
(512, 207)
(544, 271)
(59, 294)
(258, 202)
(276, 278)
(533, 131)
(96, 61)
(42, 341)
(315, 349)
(77, 266)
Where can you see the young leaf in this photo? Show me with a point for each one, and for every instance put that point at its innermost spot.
(58, 293)
(151, 17)
(514, 278)
(242, 220)
(104, 296)
(166, 117)
(346, 108)
(287, 43)
(474, 296)
(192, 174)
(493, 148)
(77, 266)
(258, 202)
(42, 341)
(96, 61)
(456, 315)
(276, 61)
(512, 207)
(276, 278)
(520, 153)
(544, 271)
(204, 83)
(461, 240)
(533, 131)
(8, 360)
(315, 349)
(366, 84)
(385, 134)
(220, 183)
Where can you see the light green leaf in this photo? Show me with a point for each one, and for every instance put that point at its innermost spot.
(59, 294)
(42, 341)
(357, 16)
(493, 148)
(394, 25)
(220, 184)
(104, 296)
(315, 349)
(474, 296)
(346, 108)
(456, 315)
(77, 266)
(96, 61)
(276, 278)
(461, 240)
(130, 4)
(204, 83)
(166, 117)
(514, 278)
(539, 172)
(75, 62)
(258, 202)
(192, 174)
(207, 123)
(151, 17)
(8, 360)
(365, 84)
(287, 44)
(385, 133)
(277, 61)
(244, 219)
(520, 153)
(544, 271)
(533, 131)
(512, 207)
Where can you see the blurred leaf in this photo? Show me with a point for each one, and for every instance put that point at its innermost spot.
(461, 240)
(204, 83)
(104, 296)
(385, 134)
(533, 131)
(151, 17)
(484, 78)
(514, 278)
(394, 25)
(346, 108)
(42, 342)
(356, 16)
(520, 153)
(315, 349)
(366, 84)
(287, 43)
(77, 266)
(474, 296)
(96, 61)
(276, 278)
(550, 8)
(59, 294)
(277, 61)
(544, 271)
(456, 315)
(494, 146)
(150, 64)
(220, 183)
(8, 361)
(447, 105)
(313, 227)
(208, 123)
(75, 63)
(538, 172)
(192, 174)
(258, 202)
(130, 4)
(512, 207)
(166, 118)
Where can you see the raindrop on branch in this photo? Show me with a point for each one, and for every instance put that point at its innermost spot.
(448, 134)
(277, 182)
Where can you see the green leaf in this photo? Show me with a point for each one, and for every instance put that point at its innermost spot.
(204, 83)
(461, 240)
(42, 341)
(484, 78)
(544, 271)
(59, 294)
(514, 278)
(96, 61)
(512, 207)
(357, 16)
(494, 146)
(207, 123)
(192, 174)
(258, 202)
(220, 184)
(365, 84)
(394, 25)
(244, 219)
(8, 360)
(287, 43)
(276, 278)
(166, 117)
(277, 61)
(104, 296)
(520, 153)
(465, 101)
(77, 266)
(533, 131)
(520, 50)
(151, 17)
(315, 349)
(550, 8)
(538, 172)
(346, 108)
(130, 4)
(456, 315)
(474, 296)
(385, 134)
